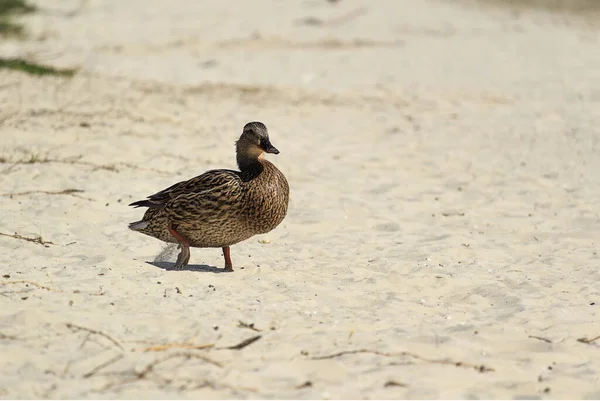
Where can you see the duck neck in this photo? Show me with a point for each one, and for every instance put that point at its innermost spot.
(248, 158)
(248, 164)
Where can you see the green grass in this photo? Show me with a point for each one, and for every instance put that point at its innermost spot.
(7, 28)
(560, 6)
(9, 8)
(18, 64)
(15, 6)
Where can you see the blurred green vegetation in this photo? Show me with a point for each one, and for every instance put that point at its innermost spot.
(559, 6)
(8, 9)
(34, 68)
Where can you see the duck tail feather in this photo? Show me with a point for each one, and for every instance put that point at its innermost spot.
(152, 204)
(138, 225)
(142, 203)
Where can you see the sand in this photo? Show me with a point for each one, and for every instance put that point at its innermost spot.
(442, 236)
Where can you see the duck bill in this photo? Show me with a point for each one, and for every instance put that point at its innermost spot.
(270, 149)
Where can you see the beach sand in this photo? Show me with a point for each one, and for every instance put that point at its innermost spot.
(442, 235)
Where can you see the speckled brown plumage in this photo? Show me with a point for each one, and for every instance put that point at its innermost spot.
(220, 207)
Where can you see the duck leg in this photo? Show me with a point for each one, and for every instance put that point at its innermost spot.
(184, 256)
(228, 264)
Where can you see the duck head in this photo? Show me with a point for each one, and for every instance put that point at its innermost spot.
(253, 142)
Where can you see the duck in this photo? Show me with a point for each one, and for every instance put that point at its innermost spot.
(220, 208)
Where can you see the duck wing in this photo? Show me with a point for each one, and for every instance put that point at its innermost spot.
(210, 184)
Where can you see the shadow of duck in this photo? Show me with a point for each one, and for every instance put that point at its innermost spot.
(170, 266)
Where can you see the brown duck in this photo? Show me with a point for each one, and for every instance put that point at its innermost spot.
(220, 207)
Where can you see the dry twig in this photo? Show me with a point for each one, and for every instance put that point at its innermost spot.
(149, 368)
(35, 159)
(35, 240)
(480, 368)
(247, 325)
(352, 14)
(102, 366)
(541, 339)
(72, 192)
(43, 287)
(243, 344)
(165, 347)
(393, 383)
(588, 340)
(76, 328)
(187, 355)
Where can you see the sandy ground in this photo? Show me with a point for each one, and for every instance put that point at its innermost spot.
(443, 227)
